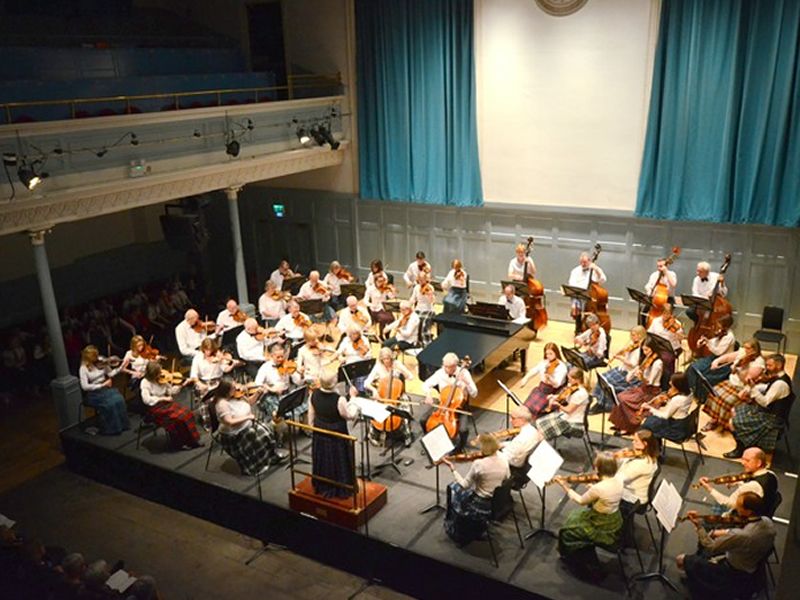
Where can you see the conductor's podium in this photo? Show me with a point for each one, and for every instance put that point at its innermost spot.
(339, 511)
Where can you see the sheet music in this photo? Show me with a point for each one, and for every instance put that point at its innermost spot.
(4, 520)
(545, 463)
(437, 443)
(372, 408)
(511, 394)
(667, 504)
(120, 580)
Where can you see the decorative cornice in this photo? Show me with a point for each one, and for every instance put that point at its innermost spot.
(91, 201)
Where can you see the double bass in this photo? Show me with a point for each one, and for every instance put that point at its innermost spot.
(660, 294)
(598, 303)
(534, 302)
(451, 399)
(707, 324)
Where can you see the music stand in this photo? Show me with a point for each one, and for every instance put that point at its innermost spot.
(666, 504)
(353, 371)
(544, 463)
(437, 286)
(392, 462)
(509, 397)
(608, 392)
(645, 303)
(574, 358)
(575, 293)
(229, 337)
(311, 307)
(289, 403)
(392, 306)
(436, 444)
(520, 287)
(661, 344)
(696, 302)
(292, 284)
(703, 382)
(353, 289)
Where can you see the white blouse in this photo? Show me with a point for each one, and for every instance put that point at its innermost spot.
(204, 369)
(451, 282)
(93, 378)
(271, 308)
(153, 393)
(233, 408)
(556, 379)
(603, 496)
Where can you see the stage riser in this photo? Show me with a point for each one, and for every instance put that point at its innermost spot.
(414, 574)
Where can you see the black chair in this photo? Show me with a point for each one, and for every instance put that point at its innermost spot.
(84, 404)
(695, 436)
(502, 505)
(770, 512)
(771, 330)
(644, 510)
(519, 481)
(616, 548)
(783, 432)
(145, 421)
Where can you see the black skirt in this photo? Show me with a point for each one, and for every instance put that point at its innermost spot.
(332, 458)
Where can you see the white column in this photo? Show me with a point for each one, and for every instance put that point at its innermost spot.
(65, 387)
(236, 232)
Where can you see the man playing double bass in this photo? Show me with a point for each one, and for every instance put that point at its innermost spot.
(580, 277)
(703, 285)
(450, 374)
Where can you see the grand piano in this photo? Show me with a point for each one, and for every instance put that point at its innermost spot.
(488, 342)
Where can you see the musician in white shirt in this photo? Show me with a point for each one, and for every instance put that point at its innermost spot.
(250, 348)
(294, 323)
(592, 343)
(271, 304)
(277, 378)
(375, 296)
(207, 368)
(282, 272)
(188, 339)
(455, 284)
(314, 289)
(422, 299)
(516, 267)
(703, 286)
(404, 330)
(97, 384)
(420, 265)
(334, 279)
(450, 374)
(581, 277)
(662, 275)
(227, 318)
(353, 315)
(513, 303)
(354, 347)
(637, 472)
(177, 420)
(518, 449)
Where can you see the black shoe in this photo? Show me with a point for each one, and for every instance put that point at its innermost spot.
(735, 453)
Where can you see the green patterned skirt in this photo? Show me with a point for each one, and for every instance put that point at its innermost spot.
(585, 528)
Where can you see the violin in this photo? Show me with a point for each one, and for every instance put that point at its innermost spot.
(660, 294)
(626, 350)
(458, 271)
(149, 352)
(735, 520)
(241, 391)
(534, 302)
(500, 435)
(390, 389)
(359, 319)
(657, 402)
(108, 362)
(727, 479)
(225, 358)
(628, 453)
(361, 346)
(707, 323)
(577, 478)
(387, 288)
(426, 290)
(288, 367)
(240, 316)
(204, 326)
(320, 288)
(170, 378)
(645, 364)
(343, 273)
(598, 296)
(279, 295)
(672, 324)
(463, 457)
(302, 321)
(451, 399)
(563, 396)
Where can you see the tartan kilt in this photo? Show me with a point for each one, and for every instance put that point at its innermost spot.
(426, 327)
(584, 528)
(720, 407)
(625, 414)
(251, 448)
(177, 421)
(714, 376)
(467, 514)
(537, 400)
(616, 379)
(555, 424)
(754, 426)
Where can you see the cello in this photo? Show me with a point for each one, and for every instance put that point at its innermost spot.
(598, 303)
(660, 295)
(707, 323)
(389, 391)
(534, 301)
(451, 399)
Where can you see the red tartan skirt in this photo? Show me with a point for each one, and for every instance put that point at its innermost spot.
(177, 421)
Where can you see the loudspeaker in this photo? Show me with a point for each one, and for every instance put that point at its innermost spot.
(184, 232)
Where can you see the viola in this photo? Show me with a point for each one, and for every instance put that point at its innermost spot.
(660, 294)
(149, 352)
(707, 323)
(451, 399)
(534, 302)
(577, 478)
(170, 377)
(287, 367)
(598, 296)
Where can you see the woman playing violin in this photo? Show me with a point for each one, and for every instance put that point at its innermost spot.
(670, 328)
(592, 343)
(176, 420)
(721, 344)
(136, 361)
(420, 265)
(636, 472)
(334, 278)
(375, 296)
(746, 365)
(617, 377)
(422, 300)
(625, 416)
(272, 304)
(552, 372)
(97, 383)
(313, 357)
(207, 368)
(375, 269)
(670, 421)
(455, 284)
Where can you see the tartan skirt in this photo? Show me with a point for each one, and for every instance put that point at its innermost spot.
(754, 426)
(624, 415)
(585, 528)
(720, 407)
(555, 424)
(616, 379)
(426, 326)
(537, 400)
(467, 514)
(250, 448)
(177, 421)
(714, 376)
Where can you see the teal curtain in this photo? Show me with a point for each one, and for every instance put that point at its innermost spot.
(723, 135)
(416, 102)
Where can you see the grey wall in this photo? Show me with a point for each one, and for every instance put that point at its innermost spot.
(329, 226)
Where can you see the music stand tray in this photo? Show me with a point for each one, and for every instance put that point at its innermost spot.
(520, 286)
(437, 286)
(640, 297)
(311, 307)
(574, 358)
(292, 284)
(576, 293)
(662, 344)
(696, 302)
(289, 403)
(392, 306)
(703, 382)
(489, 310)
(361, 368)
(229, 337)
(353, 289)
(608, 392)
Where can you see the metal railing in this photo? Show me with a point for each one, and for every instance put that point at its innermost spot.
(294, 84)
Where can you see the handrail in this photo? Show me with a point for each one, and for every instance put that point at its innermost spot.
(342, 436)
(315, 81)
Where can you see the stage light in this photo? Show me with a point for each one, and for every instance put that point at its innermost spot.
(303, 137)
(29, 176)
(323, 136)
(232, 148)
